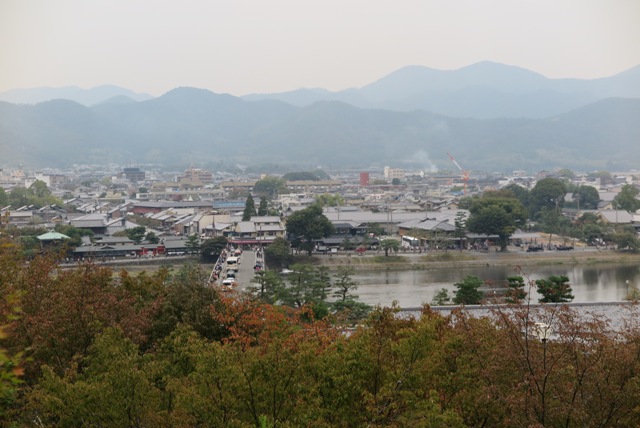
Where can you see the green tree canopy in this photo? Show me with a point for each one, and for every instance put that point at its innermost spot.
(136, 234)
(604, 177)
(496, 216)
(151, 237)
(344, 285)
(586, 197)
(627, 199)
(38, 194)
(389, 245)
(547, 193)
(210, 249)
(329, 200)
(277, 255)
(565, 173)
(460, 223)
(270, 187)
(249, 209)
(555, 289)
(521, 193)
(263, 208)
(300, 176)
(193, 243)
(468, 291)
(627, 240)
(268, 286)
(376, 229)
(308, 224)
(515, 289)
(74, 233)
(39, 189)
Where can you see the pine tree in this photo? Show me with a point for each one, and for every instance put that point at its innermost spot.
(263, 208)
(249, 209)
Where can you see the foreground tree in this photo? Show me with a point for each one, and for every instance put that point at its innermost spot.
(555, 289)
(441, 298)
(515, 290)
(344, 285)
(277, 255)
(306, 225)
(268, 286)
(468, 291)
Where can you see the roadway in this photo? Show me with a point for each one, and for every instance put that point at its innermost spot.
(244, 270)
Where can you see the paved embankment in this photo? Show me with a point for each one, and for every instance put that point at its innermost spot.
(442, 259)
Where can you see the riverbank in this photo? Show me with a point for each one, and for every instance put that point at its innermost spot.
(452, 259)
(371, 261)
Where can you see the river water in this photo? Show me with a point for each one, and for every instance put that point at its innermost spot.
(413, 288)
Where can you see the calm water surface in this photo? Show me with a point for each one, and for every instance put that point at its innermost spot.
(606, 283)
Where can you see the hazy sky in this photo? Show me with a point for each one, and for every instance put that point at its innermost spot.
(246, 46)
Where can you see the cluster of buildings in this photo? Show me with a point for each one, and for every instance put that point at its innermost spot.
(110, 199)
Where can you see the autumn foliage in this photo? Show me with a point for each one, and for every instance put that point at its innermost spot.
(93, 347)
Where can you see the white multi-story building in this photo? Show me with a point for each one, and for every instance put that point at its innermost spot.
(391, 173)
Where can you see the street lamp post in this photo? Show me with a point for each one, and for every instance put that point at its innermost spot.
(543, 331)
(627, 297)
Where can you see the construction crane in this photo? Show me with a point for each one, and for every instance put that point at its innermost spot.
(465, 173)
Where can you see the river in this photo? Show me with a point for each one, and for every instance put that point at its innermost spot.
(413, 288)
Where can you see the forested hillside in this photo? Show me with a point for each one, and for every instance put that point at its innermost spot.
(196, 126)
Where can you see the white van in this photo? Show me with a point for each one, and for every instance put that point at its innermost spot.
(232, 261)
(229, 283)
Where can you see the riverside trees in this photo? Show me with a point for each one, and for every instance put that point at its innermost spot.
(306, 225)
(496, 214)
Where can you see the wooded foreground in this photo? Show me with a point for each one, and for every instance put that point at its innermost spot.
(84, 347)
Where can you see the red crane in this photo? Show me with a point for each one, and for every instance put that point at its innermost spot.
(465, 174)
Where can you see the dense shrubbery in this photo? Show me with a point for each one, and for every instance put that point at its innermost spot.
(167, 350)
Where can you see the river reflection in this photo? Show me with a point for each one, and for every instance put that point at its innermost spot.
(604, 283)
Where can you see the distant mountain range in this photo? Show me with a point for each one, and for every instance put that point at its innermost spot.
(485, 90)
(87, 97)
(490, 116)
(195, 126)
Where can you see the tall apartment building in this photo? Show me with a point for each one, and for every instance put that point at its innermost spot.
(391, 173)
